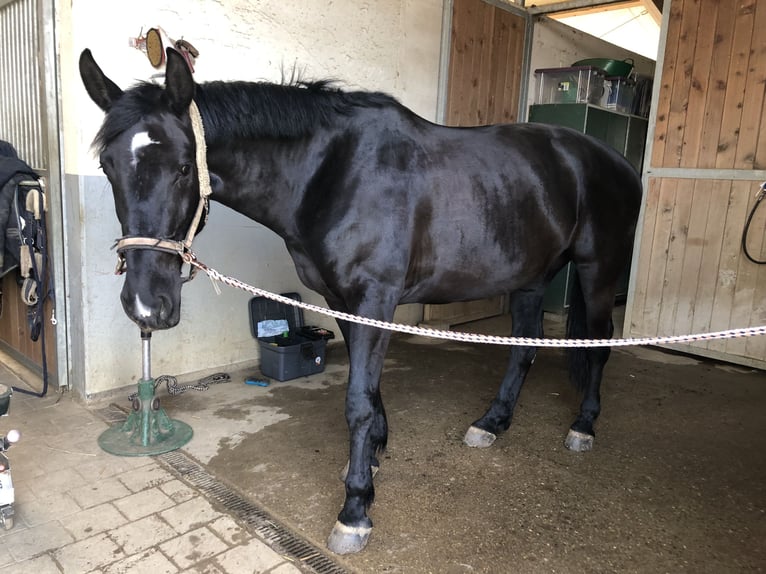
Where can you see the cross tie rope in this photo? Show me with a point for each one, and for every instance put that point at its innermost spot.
(215, 276)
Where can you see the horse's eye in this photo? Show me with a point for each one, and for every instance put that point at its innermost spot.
(184, 169)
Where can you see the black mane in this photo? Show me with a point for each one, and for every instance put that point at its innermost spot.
(246, 110)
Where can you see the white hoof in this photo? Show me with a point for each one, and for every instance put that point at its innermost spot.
(478, 438)
(348, 539)
(578, 441)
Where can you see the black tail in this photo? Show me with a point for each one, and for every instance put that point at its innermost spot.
(577, 329)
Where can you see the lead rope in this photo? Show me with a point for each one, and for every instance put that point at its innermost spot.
(758, 198)
(215, 276)
(205, 191)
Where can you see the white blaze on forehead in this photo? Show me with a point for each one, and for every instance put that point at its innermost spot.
(142, 310)
(139, 141)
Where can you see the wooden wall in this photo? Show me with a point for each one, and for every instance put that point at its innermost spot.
(14, 330)
(707, 160)
(486, 64)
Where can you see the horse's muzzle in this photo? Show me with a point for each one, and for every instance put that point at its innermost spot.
(150, 314)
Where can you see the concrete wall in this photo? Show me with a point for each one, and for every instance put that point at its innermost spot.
(389, 45)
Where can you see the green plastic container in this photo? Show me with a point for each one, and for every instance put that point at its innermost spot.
(611, 67)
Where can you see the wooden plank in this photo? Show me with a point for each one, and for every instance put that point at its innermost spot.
(471, 74)
(666, 82)
(653, 11)
(717, 88)
(640, 274)
(514, 79)
(682, 81)
(699, 83)
(726, 284)
(756, 346)
(461, 54)
(749, 293)
(485, 54)
(731, 121)
(760, 47)
(695, 241)
(748, 361)
(658, 255)
(14, 328)
(445, 316)
(711, 255)
(508, 47)
(754, 95)
(500, 67)
(669, 324)
(760, 146)
(561, 9)
(455, 55)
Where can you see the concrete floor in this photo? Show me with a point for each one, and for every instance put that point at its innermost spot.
(674, 483)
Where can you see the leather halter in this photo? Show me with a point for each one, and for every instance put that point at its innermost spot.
(182, 248)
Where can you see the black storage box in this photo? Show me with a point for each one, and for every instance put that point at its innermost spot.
(298, 352)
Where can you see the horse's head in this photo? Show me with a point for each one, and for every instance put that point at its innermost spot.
(147, 151)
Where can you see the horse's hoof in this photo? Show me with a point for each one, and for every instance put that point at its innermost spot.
(344, 473)
(479, 438)
(578, 441)
(348, 539)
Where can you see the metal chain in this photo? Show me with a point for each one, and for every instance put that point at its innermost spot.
(175, 389)
(214, 275)
(202, 385)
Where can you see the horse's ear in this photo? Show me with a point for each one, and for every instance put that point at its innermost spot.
(101, 89)
(179, 83)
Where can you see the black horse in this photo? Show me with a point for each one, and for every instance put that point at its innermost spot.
(377, 207)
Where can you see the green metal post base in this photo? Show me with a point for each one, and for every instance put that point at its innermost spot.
(148, 430)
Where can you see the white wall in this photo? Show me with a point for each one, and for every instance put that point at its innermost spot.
(388, 45)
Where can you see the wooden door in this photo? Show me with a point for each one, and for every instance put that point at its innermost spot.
(486, 68)
(23, 123)
(707, 160)
(486, 64)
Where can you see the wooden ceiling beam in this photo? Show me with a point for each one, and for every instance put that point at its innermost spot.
(579, 6)
(654, 7)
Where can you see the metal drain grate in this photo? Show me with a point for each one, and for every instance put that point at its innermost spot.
(280, 538)
(309, 557)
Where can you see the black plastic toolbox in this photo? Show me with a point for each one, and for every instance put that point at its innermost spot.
(299, 351)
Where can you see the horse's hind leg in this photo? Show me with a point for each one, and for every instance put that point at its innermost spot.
(590, 317)
(527, 314)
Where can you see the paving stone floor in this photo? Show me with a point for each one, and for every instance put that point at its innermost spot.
(80, 510)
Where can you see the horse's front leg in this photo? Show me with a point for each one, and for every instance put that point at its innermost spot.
(379, 434)
(368, 433)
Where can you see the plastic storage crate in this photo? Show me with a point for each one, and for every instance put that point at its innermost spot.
(299, 351)
(621, 92)
(576, 85)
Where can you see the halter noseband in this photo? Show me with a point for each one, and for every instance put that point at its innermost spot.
(182, 248)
